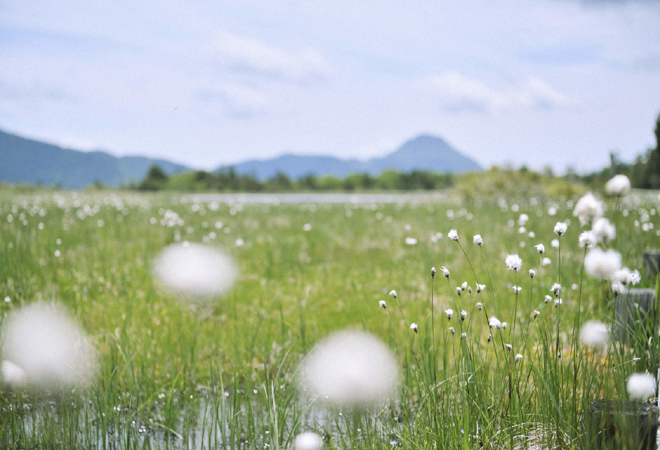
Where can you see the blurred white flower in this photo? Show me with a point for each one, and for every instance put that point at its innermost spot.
(602, 264)
(393, 293)
(459, 291)
(195, 270)
(536, 313)
(464, 286)
(560, 228)
(603, 230)
(445, 271)
(587, 239)
(504, 325)
(411, 241)
(548, 299)
(450, 313)
(509, 347)
(513, 262)
(478, 240)
(594, 334)
(463, 314)
(51, 350)
(479, 306)
(451, 329)
(634, 277)
(350, 368)
(432, 272)
(453, 235)
(13, 375)
(556, 289)
(413, 326)
(463, 335)
(540, 248)
(490, 337)
(308, 441)
(518, 357)
(546, 262)
(522, 220)
(554, 243)
(618, 185)
(480, 287)
(532, 273)
(641, 386)
(558, 302)
(382, 304)
(307, 227)
(493, 322)
(517, 289)
(588, 208)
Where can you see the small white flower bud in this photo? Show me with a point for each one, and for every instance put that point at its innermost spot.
(413, 326)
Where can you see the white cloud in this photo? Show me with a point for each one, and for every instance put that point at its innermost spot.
(456, 92)
(255, 56)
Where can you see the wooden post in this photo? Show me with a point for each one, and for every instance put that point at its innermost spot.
(651, 264)
(633, 308)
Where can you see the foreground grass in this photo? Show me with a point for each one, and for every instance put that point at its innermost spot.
(180, 374)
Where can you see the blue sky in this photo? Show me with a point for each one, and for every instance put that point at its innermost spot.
(535, 82)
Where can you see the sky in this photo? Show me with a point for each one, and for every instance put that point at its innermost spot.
(558, 83)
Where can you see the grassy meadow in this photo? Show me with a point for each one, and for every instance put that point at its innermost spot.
(177, 373)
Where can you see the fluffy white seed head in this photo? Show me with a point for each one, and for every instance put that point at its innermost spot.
(560, 228)
(464, 285)
(480, 287)
(618, 185)
(479, 306)
(513, 262)
(532, 273)
(588, 208)
(308, 441)
(518, 357)
(463, 314)
(450, 313)
(433, 272)
(478, 240)
(602, 264)
(195, 270)
(350, 368)
(413, 326)
(452, 331)
(540, 248)
(594, 334)
(546, 262)
(536, 313)
(587, 239)
(453, 235)
(603, 230)
(493, 322)
(641, 386)
(445, 271)
(556, 289)
(393, 293)
(382, 304)
(48, 347)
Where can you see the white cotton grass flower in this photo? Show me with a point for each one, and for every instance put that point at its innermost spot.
(548, 299)
(445, 271)
(588, 208)
(479, 306)
(478, 240)
(411, 241)
(13, 375)
(536, 313)
(308, 441)
(450, 313)
(513, 262)
(602, 264)
(556, 289)
(382, 304)
(490, 337)
(433, 272)
(459, 291)
(452, 331)
(558, 302)
(463, 335)
(641, 386)
(464, 286)
(587, 239)
(350, 368)
(195, 270)
(554, 243)
(560, 228)
(504, 325)
(518, 357)
(634, 278)
(546, 262)
(413, 326)
(594, 334)
(480, 287)
(540, 248)
(463, 314)
(532, 273)
(48, 347)
(522, 220)
(517, 289)
(618, 185)
(509, 347)
(603, 230)
(393, 293)
(493, 322)
(453, 235)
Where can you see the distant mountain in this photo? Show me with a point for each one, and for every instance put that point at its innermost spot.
(424, 152)
(28, 161)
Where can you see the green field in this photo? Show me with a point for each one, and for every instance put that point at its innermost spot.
(223, 373)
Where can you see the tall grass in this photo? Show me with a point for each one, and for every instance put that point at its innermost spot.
(175, 374)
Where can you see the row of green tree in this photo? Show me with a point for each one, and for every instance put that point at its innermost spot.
(227, 180)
